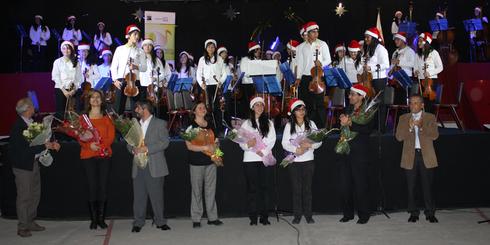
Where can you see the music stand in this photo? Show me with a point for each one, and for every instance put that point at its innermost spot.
(438, 25)
(57, 35)
(287, 72)
(180, 85)
(472, 25)
(22, 34)
(330, 79)
(240, 78)
(408, 27)
(172, 81)
(342, 79)
(103, 84)
(267, 84)
(226, 84)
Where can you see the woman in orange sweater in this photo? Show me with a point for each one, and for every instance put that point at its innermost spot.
(96, 157)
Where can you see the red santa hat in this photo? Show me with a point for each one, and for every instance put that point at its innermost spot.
(311, 26)
(210, 41)
(67, 43)
(360, 89)
(302, 31)
(71, 17)
(100, 23)
(222, 49)
(252, 46)
(147, 42)
(276, 53)
(398, 13)
(293, 104)
(255, 100)
(131, 28)
(339, 47)
(104, 52)
(478, 9)
(83, 46)
(38, 16)
(373, 32)
(427, 37)
(354, 46)
(402, 36)
(292, 44)
(184, 53)
(270, 52)
(158, 47)
(440, 14)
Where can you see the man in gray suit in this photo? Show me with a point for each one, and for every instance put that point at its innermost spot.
(148, 181)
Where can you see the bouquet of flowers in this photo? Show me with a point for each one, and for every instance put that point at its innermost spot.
(202, 137)
(133, 135)
(38, 134)
(312, 137)
(363, 116)
(242, 136)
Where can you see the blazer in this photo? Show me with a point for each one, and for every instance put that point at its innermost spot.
(427, 135)
(21, 155)
(156, 139)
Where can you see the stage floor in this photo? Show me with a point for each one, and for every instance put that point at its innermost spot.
(456, 227)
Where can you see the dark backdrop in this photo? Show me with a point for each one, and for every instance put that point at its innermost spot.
(197, 21)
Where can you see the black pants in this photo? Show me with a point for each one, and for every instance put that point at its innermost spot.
(426, 176)
(429, 104)
(38, 58)
(301, 178)
(247, 94)
(354, 186)
(120, 101)
(378, 85)
(97, 173)
(60, 101)
(314, 102)
(216, 115)
(257, 180)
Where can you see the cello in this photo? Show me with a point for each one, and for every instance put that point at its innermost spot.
(366, 78)
(130, 79)
(316, 85)
(427, 82)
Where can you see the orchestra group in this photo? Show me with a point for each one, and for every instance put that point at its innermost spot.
(140, 76)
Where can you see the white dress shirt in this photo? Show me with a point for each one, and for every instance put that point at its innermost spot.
(305, 56)
(394, 28)
(120, 61)
(102, 42)
(145, 124)
(349, 66)
(209, 71)
(191, 72)
(72, 35)
(38, 36)
(92, 75)
(269, 141)
(434, 64)
(63, 73)
(151, 73)
(417, 116)
(286, 141)
(381, 58)
(105, 70)
(407, 57)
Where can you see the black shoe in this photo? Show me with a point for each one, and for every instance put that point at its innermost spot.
(101, 209)
(215, 222)
(136, 229)
(196, 225)
(264, 220)
(362, 221)
(296, 220)
(413, 218)
(346, 219)
(163, 227)
(253, 220)
(310, 220)
(93, 217)
(432, 219)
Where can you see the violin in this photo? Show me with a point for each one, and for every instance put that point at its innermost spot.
(131, 90)
(204, 95)
(427, 85)
(70, 101)
(316, 85)
(150, 90)
(395, 68)
(366, 78)
(237, 93)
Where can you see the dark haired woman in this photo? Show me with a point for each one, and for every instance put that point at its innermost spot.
(427, 65)
(184, 67)
(102, 38)
(96, 157)
(256, 173)
(67, 76)
(39, 34)
(202, 171)
(247, 84)
(71, 32)
(302, 169)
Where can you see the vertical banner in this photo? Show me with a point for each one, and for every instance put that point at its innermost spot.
(160, 27)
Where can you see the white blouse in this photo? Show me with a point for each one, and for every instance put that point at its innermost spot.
(269, 141)
(92, 75)
(146, 77)
(349, 66)
(434, 65)
(72, 35)
(306, 56)
(105, 70)
(38, 36)
(209, 71)
(103, 42)
(381, 58)
(407, 59)
(120, 61)
(286, 141)
(64, 73)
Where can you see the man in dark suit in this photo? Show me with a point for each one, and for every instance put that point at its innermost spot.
(418, 130)
(25, 167)
(148, 180)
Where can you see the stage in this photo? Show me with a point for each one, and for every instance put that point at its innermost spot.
(460, 181)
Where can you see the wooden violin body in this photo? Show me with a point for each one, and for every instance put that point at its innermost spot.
(131, 90)
(316, 85)
(366, 79)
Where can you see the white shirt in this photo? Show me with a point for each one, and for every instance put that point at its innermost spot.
(64, 73)
(105, 70)
(209, 71)
(305, 56)
(145, 124)
(269, 141)
(146, 77)
(102, 42)
(434, 65)
(380, 57)
(407, 57)
(191, 72)
(247, 79)
(417, 116)
(92, 75)
(38, 36)
(349, 66)
(72, 35)
(394, 28)
(287, 137)
(120, 61)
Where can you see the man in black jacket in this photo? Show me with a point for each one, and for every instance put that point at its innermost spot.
(26, 169)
